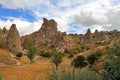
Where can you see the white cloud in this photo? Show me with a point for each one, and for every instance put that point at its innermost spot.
(24, 27)
(97, 13)
(21, 4)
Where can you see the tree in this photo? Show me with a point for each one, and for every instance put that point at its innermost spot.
(112, 67)
(31, 53)
(94, 56)
(57, 59)
(20, 54)
(31, 49)
(80, 61)
(45, 54)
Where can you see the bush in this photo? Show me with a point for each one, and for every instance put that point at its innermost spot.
(66, 51)
(45, 54)
(31, 53)
(102, 43)
(73, 75)
(0, 77)
(112, 67)
(80, 61)
(70, 56)
(20, 54)
(85, 48)
(57, 59)
(94, 56)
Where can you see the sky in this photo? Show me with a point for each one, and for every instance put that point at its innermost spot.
(72, 16)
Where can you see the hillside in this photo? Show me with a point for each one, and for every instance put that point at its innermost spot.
(36, 50)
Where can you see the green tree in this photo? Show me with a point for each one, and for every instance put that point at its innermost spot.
(57, 59)
(94, 56)
(31, 49)
(45, 54)
(31, 53)
(20, 54)
(112, 66)
(79, 62)
(28, 41)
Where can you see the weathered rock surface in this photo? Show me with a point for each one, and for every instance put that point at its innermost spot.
(88, 37)
(48, 36)
(13, 42)
(3, 35)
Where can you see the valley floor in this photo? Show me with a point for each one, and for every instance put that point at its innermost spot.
(34, 71)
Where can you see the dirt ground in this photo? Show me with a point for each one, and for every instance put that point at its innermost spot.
(34, 71)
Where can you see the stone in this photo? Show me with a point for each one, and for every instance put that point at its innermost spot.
(96, 36)
(88, 37)
(13, 43)
(3, 35)
(48, 35)
(24, 60)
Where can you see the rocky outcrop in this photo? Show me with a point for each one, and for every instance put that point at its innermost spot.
(13, 42)
(48, 36)
(87, 38)
(3, 35)
(96, 35)
(100, 36)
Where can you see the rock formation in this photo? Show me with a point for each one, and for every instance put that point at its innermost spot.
(13, 42)
(48, 36)
(100, 36)
(88, 37)
(3, 35)
(96, 36)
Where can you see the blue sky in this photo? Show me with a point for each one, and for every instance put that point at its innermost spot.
(72, 16)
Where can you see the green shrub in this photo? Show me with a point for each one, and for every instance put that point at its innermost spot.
(79, 62)
(0, 77)
(57, 59)
(102, 43)
(70, 56)
(45, 54)
(94, 56)
(83, 48)
(73, 75)
(31, 53)
(66, 51)
(89, 75)
(112, 67)
(91, 58)
(20, 54)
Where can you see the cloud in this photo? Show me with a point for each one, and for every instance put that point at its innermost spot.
(98, 14)
(21, 4)
(113, 15)
(104, 16)
(24, 27)
(89, 19)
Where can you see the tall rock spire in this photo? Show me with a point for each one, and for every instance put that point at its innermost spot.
(13, 42)
(89, 36)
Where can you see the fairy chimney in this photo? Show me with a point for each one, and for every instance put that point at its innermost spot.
(13, 42)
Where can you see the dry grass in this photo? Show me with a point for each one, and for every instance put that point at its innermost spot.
(34, 71)
(6, 58)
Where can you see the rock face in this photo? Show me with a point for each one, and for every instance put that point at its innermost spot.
(96, 35)
(100, 36)
(48, 36)
(87, 38)
(13, 42)
(49, 32)
(3, 35)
